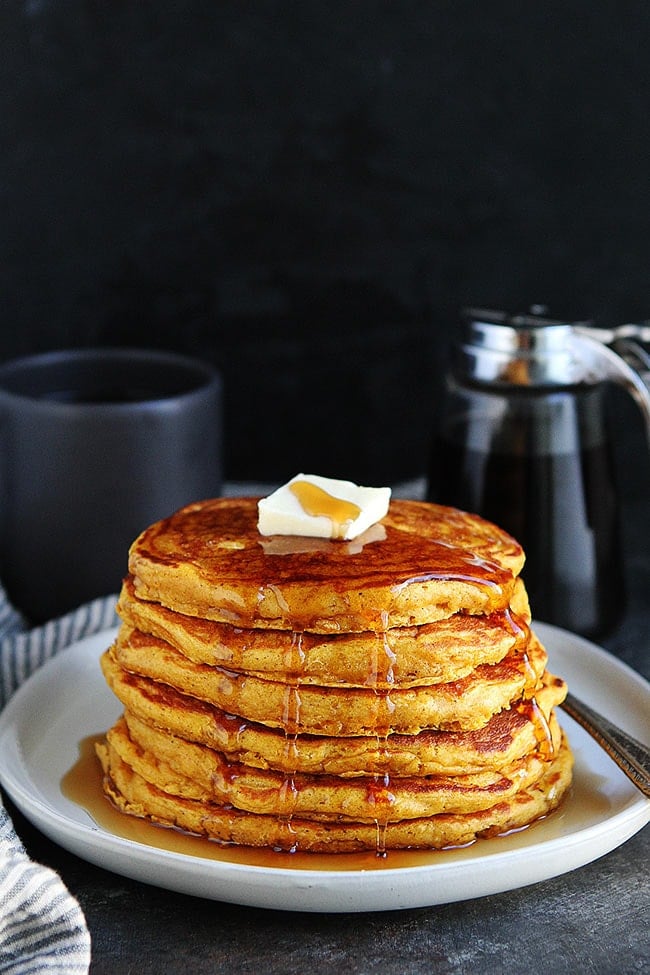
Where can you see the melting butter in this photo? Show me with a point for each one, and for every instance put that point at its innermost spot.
(322, 507)
(318, 503)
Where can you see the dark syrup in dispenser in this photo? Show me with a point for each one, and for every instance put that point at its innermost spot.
(522, 445)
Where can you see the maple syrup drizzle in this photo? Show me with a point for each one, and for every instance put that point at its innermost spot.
(529, 706)
(533, 713)
(288, 792)
(295, 654)
(318, 503)
(380, 796)
(531, 680)
(515, 624)
(380, 678)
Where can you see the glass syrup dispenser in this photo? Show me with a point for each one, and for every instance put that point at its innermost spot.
(522, 441)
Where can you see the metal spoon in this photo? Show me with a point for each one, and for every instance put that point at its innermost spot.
(632, 757)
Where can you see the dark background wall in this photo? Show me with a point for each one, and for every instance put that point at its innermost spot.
(306, 193)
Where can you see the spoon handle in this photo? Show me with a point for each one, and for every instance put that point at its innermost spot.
(629, 754)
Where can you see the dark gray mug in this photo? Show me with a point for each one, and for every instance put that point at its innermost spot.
(95, 445)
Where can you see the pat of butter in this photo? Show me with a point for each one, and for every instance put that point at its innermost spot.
(321, 507)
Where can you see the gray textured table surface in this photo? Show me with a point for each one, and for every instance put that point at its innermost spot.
(592, 920)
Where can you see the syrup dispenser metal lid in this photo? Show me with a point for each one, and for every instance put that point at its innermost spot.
(520, 350)
(530, 350)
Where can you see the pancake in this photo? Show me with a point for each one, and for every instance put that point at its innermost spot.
(421, 563)
(197, 772)
(507, 736)
(432, 653)
(327, 695)
(460, 705)
(133, 794)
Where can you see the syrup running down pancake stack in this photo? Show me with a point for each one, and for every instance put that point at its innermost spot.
(334, 696)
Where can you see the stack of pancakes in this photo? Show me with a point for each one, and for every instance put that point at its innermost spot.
(316, 695)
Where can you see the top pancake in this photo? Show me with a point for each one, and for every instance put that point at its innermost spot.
(421, 563)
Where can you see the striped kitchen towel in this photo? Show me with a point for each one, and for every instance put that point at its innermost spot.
(42, 927)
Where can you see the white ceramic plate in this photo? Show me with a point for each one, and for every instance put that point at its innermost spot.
(67, 700)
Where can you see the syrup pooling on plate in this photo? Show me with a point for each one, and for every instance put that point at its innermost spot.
(82, 785)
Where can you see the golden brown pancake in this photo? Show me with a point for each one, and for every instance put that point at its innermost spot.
(421, 563)
(461, 705)
(432, 653)
(333, 696)
(196, 772)
(508, 735)
(134, 794)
